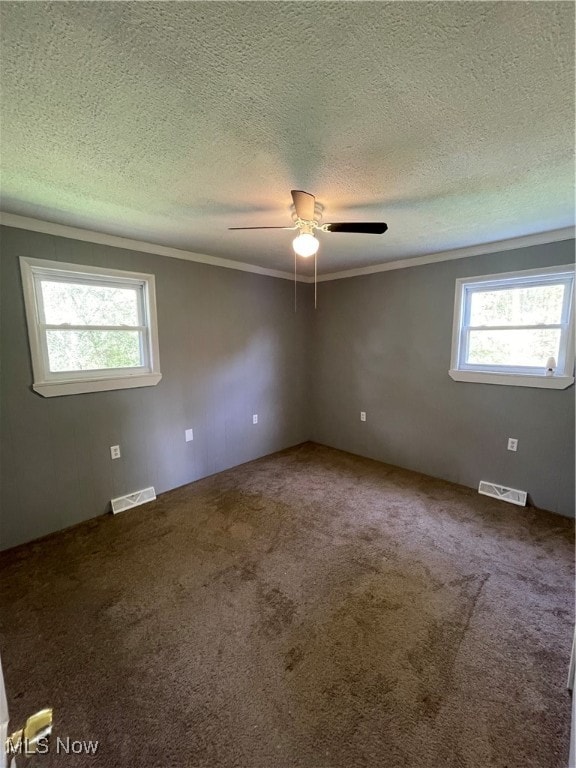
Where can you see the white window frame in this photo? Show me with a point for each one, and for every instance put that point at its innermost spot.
(509, 375)
(53, 384)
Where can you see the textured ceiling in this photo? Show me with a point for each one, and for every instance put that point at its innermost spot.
(171, 121)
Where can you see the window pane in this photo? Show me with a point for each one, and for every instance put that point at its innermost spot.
(516, 347)
(81, 304)
(93, 350)
(517, 306)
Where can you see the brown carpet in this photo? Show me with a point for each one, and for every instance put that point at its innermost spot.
(311, 609)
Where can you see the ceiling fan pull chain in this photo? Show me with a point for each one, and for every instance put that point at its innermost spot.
(295, 283)
(315, 285)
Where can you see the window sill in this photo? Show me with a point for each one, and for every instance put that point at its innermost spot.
(512, 380)
(83, 386)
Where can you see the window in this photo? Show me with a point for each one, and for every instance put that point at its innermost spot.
(506, 327)
(90, 329)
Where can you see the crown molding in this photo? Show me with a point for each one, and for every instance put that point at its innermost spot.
(90, 236)
(538, 238)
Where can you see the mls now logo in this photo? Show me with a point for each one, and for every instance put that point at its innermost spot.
(41, 746)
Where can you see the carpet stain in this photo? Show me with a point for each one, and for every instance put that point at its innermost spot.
(293, 658)
(277, 611)
(382, 656)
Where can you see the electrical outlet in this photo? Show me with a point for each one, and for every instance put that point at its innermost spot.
(512, 444)
(362, 415)
(255, 418)
(115, 451)
(189, 435)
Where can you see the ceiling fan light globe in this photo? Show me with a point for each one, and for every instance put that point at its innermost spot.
(305, 245)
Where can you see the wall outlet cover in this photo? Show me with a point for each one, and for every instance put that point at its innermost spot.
(255, 418)
(115, 451)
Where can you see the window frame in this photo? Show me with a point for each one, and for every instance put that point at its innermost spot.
(525, 376)
(54, 383)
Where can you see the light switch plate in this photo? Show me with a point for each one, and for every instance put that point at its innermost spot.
(189, 435)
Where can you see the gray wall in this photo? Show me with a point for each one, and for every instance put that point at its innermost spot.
(382, 345)
(230, 346)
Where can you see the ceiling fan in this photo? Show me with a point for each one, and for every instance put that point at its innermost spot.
(306, 221)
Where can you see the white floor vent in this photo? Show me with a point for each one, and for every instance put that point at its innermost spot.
(501, 492)
(133, 500)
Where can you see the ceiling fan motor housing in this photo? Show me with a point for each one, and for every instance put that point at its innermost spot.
(315, 222)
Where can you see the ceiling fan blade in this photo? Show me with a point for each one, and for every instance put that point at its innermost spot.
(260, 227)
(368, 227)
(304, 204)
